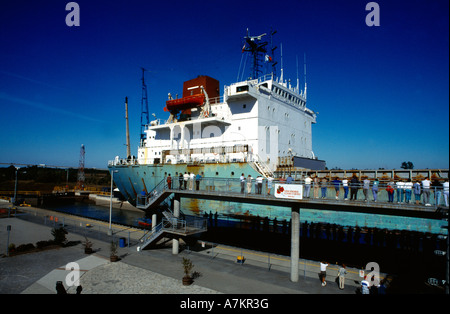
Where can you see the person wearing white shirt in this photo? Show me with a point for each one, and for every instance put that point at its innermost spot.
(345, 185)
(191, 181)
(242, 180)
(259, 181)
(446, 190)
(400, 191)
(408, 190)
(426, 191)
(308, 181)
(323, 272)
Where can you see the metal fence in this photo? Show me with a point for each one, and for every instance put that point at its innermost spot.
(433, 196)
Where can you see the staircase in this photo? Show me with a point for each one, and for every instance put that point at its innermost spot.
(262, 167)
(181, 226)
(153, 235)
(154, 198)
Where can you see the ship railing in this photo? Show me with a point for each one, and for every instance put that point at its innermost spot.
(434, 197)
(122, 161)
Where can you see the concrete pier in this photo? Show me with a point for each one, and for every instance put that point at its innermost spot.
(295, 243)
(176, 214)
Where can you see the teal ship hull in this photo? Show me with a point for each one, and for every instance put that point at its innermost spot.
(131, 180)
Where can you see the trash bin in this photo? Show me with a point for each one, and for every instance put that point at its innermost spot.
(122, 242)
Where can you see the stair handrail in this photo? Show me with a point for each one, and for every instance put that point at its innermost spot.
(144, 200)
(262, 166)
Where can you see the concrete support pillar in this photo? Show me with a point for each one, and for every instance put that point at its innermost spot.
(295, 242)
(154, 221)
(176, 214)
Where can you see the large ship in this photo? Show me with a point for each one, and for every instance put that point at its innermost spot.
(255, 126)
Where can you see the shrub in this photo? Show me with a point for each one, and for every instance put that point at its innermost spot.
(42, 244)
(25, 247)
(59, 235)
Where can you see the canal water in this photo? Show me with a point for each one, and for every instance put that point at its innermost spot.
(119, 216)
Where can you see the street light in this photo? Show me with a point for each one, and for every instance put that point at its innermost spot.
(15, 187)
(110, 201)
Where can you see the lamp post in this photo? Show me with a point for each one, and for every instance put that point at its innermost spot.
(15, 187)
(110, 202)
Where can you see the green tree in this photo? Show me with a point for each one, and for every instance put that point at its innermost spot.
(407, 165)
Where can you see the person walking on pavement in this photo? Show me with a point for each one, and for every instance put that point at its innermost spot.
(323, 272)
(341, 274)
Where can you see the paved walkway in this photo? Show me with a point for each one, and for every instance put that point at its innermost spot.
(149, 271)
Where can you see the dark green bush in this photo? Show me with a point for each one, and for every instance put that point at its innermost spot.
(25, 247)
(59, 235)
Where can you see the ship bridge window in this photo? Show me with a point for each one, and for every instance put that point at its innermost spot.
(243, 88)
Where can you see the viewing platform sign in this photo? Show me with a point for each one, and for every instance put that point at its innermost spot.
(292, 191)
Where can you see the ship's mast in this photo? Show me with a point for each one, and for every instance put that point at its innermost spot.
(257, 49)
(128, 129)
(305, 74)
(144, 108)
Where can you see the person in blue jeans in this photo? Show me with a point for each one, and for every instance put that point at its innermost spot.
(345, 185)
(417, 192)
(390, 191)
(408, 189)
(375, 189)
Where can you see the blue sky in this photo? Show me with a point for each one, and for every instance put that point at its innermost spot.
(382, 92)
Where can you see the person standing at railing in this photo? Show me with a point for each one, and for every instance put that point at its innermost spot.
(259, 181)
(323, 187)
(345, 185)
(198, 178)
(242, 180)
(337, 186)
(316, 187)
(417, 191)
(366, 187)
(399, 188)
(186, 179)
(426, 191)
(375, 185)
(191, 181)
(408, 189)
(289, 179)
(437, 187)
(390, 192)
(446, 191)
(354, 185)
(269, 184)
(308, 181)
(169, 182)
(249, 184)
(180, 181)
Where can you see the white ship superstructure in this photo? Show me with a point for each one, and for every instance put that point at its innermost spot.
(261, 120)
(252, 126)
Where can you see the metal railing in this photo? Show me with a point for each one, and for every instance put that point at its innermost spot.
(142, 201)
(434, 196)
